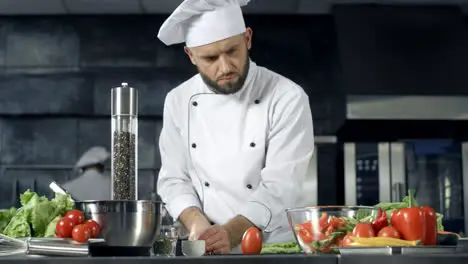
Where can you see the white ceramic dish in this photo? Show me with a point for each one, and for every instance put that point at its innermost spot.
(193, 248)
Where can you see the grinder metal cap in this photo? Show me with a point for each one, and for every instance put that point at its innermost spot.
(124, 100)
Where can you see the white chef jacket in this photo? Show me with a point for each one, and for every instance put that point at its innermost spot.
(246, 153)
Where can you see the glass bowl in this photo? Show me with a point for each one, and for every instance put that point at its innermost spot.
(320, 229)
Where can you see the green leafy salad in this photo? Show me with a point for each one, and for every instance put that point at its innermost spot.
(36, 217)
(281, 248)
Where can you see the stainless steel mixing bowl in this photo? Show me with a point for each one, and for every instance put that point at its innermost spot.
(125, 223)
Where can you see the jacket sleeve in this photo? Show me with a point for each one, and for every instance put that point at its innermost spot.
(174, 184)
(289, 149)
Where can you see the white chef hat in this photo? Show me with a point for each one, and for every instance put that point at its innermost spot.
(201, 22)
(93, 156)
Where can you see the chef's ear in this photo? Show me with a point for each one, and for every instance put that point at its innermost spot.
(248, 37)
(190, 54)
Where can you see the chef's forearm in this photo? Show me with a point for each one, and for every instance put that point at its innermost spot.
(192, 216)
(236, 228)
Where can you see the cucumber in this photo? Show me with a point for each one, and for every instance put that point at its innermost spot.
(447, 239)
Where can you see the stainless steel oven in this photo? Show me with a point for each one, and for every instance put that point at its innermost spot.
(322, 173)
(436, 168)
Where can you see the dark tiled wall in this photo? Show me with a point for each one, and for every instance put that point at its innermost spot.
(56, 74)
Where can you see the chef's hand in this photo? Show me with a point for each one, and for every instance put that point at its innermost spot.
(194, 221)
(198, 228)
(216, 240)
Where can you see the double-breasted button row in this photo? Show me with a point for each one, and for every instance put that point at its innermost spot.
(252, 144)
(248, 186)
(195, 103)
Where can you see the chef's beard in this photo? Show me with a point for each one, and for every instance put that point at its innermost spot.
(230, 87)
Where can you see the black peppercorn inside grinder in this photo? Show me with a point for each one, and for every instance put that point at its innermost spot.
(124, 171)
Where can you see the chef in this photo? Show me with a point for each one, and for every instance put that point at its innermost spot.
(237, 138)
(94, 183)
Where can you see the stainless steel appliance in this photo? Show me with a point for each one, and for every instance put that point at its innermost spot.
(434, 163)
(310, 188)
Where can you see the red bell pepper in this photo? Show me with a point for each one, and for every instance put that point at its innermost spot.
(410, 222)
(431, 226)
(380, 222)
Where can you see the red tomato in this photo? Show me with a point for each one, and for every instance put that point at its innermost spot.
(306, 226)
(76, 216)
(347, 240)
(81, 233)
(330, 230)
(252, 241)
(64, 227)
(389, 231)
(94, 227)
(337, 222)
(363, 230)
(307, 236)
(323, 222)
(304, 234)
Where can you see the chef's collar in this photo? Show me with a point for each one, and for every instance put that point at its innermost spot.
(247, 84)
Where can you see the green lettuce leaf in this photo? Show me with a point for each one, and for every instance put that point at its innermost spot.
(63, 204)
(37, 215)
(5, 217)
(18, 226)
(50, 230)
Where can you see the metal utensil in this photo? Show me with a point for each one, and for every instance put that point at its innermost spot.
(11, 246)
(58, 247)
(42, 246)
(58, 189)
(125, 223)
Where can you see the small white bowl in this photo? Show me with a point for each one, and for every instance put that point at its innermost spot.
(193, 248)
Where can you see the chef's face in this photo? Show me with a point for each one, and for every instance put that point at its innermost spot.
(223, 65)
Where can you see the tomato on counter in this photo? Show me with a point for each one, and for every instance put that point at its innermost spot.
(94, 227)
(389, 231)
(73, 225)
(347, 241)
(363, 230)
(64, 227)
(81, 233)
(76, 216)
(252, 241)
